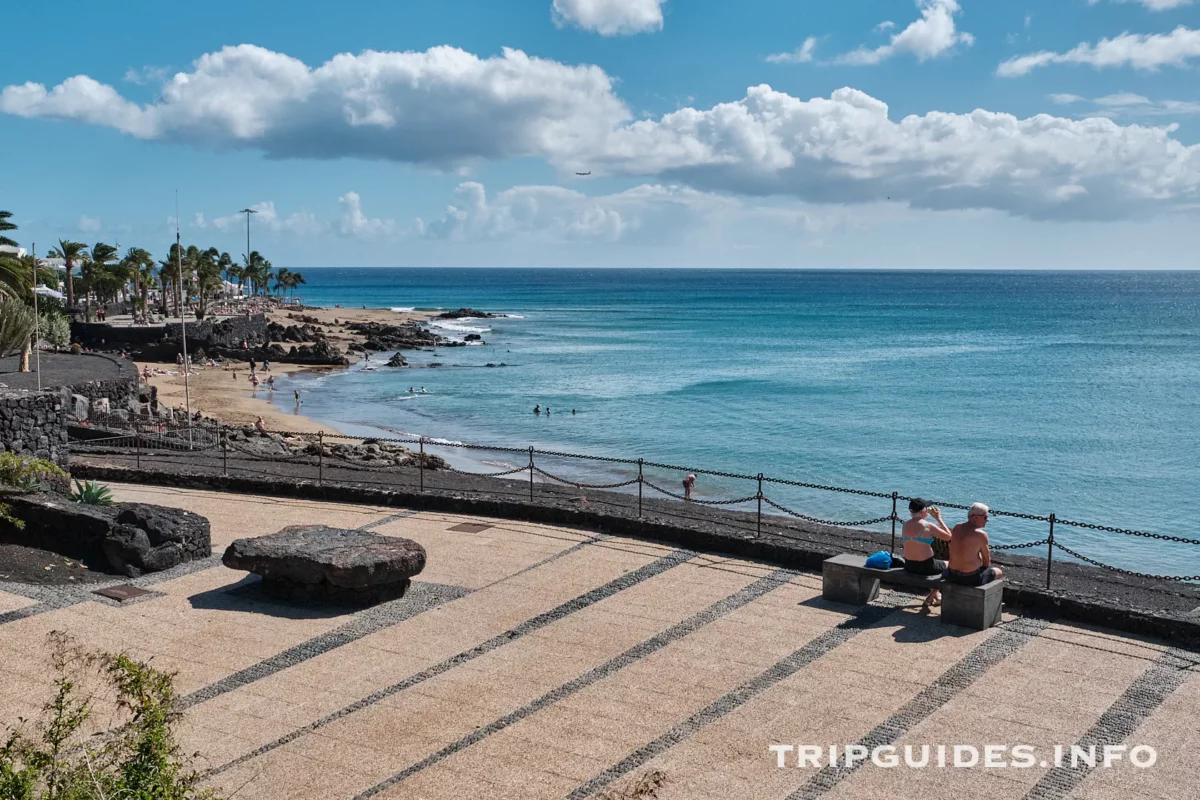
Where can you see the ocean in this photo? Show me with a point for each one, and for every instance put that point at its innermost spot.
(1076, 393)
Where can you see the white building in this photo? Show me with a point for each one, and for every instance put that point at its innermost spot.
(9, 250)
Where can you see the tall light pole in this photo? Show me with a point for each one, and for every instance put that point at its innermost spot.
(247, 212)
(187, 397)
(37, 321)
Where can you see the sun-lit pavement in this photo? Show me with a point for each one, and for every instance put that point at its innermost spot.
(531, 661)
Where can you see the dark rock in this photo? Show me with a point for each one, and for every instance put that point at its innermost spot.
(472, 337)
(467, 313)
(315, 563)
(436, 364)
(397, 361)
(129, 538)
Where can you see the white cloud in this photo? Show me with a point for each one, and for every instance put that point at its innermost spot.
(88, 224)
(650, 214)
(447, 107)
(1153, 5)
(147, 75)
(443, 107)
(356, 223)
(933, 35)
(610, 17)
(846, 149)
(1138, 50)
(1130, 105)
(1066, 99)
(802, 55)
(298, 223)
(884, 26)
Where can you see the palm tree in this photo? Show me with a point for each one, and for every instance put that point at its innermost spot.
(140, 266)
(91, 271)
(5, 225)
(167, 276)
(283, 280)
(258, 272)
(208, 278)
(70, 252)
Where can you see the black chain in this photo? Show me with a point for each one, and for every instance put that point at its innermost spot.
(1121, 571)
(802, 485)
(701, 502)
(578, 485)
(1127, 532)
(1018, 546)
(487, 474)
(798, 515)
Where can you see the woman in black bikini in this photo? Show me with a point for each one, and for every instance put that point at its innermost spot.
(919, 534)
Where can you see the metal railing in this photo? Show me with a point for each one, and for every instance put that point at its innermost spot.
(139, 435)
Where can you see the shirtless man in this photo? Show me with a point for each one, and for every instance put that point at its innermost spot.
(970, 557)
(918, 534)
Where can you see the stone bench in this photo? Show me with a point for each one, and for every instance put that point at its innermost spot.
(847, 579)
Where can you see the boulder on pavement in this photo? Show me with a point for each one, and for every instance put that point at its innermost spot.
(316, 563)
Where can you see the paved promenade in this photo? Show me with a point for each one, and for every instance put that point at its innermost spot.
(530, 661)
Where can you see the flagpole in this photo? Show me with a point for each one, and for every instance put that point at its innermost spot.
(37, 322)
(187, 398)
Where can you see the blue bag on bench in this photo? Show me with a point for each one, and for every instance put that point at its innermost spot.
(880, 560)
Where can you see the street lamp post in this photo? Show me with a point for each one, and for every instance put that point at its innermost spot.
(247, 212)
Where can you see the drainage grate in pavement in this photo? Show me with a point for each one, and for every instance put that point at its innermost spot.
(121, 593)
(470, 527)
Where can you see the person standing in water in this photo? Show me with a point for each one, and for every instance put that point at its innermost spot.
(689, 483)
(537, 409)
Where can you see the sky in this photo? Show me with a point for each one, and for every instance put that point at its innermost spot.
(971, 134)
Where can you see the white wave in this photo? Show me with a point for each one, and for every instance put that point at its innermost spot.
(403, 309)
(450, 325)
(515, 316)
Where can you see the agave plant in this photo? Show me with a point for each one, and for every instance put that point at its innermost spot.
(92, 494)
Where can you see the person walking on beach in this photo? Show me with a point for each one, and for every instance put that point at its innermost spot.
(297, 395)
(918, 535)
(266, 365)
(271, 383)
(260, 426)
(970, 556)
(689, 483)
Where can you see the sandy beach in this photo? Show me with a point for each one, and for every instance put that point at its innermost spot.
(224, 392)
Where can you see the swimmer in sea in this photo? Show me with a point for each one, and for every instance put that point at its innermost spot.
(572, 411)
(537, 409)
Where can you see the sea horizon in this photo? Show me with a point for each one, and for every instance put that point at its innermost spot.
(1035, 391)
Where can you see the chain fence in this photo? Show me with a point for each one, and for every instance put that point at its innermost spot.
(121, 433)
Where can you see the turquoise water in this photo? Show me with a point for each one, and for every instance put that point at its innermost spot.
(1077, 393)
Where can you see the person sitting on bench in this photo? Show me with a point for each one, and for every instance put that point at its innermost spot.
(970, 557)
(918, 535)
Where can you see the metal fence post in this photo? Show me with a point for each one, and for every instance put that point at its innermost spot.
(1050, 550)
(640, 488)
(760, 480)
(137, 437)
(224, 437)
(531, 474)
(421, 461)
(320, 458)
(894, 496)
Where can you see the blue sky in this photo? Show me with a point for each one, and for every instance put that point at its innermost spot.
(865, 133)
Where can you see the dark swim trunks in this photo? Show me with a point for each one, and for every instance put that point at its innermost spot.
(930, 566)
(977, 578)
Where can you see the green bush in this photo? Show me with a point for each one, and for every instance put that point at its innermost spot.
(92, 494)
(136, 759)
(28, 473)
(17, 323)
(54, 329)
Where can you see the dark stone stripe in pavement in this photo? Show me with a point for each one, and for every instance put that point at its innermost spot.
(589, 598)
(843, 632)
(1120, 721)
(419, 598)
(999, 646)
(370, 526)
(655, 643)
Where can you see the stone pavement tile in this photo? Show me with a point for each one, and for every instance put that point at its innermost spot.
(395, 653)
(639, 702)
(290, 776)
(474, 560)
(832, 701)
(412, 724)
(1173, 731)
(11, 602)
(1009, 705)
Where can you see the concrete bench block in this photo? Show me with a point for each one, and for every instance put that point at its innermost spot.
(977, 607)
(843, 582)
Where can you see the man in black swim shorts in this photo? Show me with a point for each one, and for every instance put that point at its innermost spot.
(970, 556)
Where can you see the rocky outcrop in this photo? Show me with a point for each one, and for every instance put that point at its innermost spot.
(294, 334)
(315, 563)
(397, 361)
(379, 336)
(127, 538)
(468, 313)
(320, 354)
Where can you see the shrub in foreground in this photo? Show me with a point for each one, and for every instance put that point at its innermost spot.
(136, 759)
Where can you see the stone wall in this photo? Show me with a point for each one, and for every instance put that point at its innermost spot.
(225, 333)
(121, 391)
(34, 423)
(107, 335)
